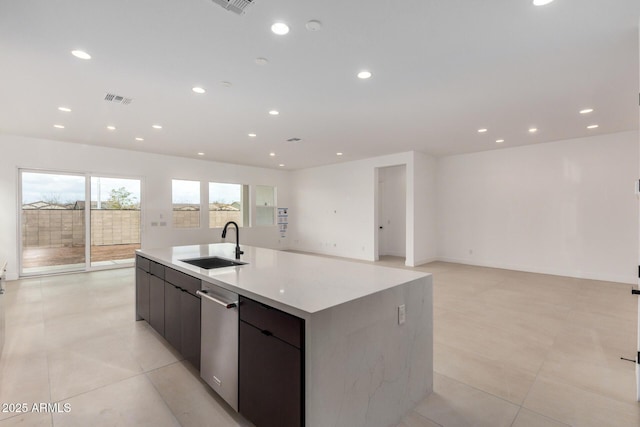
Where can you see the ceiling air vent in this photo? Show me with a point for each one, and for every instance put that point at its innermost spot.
(117, 99)
(235, 6)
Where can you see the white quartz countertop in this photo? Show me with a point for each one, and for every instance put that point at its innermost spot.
(296, 283)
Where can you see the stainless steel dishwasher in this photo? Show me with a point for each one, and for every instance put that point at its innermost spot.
(219, 341)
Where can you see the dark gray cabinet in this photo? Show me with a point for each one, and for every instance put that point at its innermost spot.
(190, 328)
(156, 297)
(270, 343)
(271, 366)
(156, 304)
(142, 288)
(167, 299)
(172, 315)
(182, 314)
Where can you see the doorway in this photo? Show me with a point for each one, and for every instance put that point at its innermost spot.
(392, 211)
(114, 221)
(52, 222)
(60, 213)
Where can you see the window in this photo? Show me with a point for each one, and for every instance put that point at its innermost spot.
(186, 203)
(228, 202)
(67, 225)
(265, 205)
(114, 220)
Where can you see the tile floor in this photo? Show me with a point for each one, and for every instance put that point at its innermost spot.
(511, 349)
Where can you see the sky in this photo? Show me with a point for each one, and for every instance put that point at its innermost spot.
(61, 188)
(189, 192)
(71, 188)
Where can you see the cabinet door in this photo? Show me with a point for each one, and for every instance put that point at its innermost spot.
(190, 308)
(270, 380)
(156, 304)
(172, 314)
(142, 294)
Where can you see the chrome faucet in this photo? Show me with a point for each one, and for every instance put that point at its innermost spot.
(224, 235)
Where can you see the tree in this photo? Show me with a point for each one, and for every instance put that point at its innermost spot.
(121, 198)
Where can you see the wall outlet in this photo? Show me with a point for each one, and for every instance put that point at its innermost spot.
(402, 314)
(163, 223)
(154, 224)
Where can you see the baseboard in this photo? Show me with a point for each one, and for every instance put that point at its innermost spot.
(565, 273)
(423, 261)
(396, 254)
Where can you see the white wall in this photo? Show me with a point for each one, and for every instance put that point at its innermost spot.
(156, 172)
(565, 208)
(425, 238)
(334, 208)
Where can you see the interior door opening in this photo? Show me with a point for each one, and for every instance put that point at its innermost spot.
(392, 211)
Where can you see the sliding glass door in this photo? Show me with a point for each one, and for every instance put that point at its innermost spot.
(53, 228)
(115, 220)
(56, 222)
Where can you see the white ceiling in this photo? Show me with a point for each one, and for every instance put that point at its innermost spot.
(441, 70)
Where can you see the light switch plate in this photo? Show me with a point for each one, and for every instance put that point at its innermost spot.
(402, 314)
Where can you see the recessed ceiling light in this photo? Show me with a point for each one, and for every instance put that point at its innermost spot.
(200, 154)
(338, 154)
(281, 165)
(272, 154)
(80, 54)
(156, 126)
(198, 89)
(111, 127)
(274, 112)
(499, 141)
(252, 135)
(364, 75)
(261, 61)
(58, 126)
(313, 25)
(586, 111)
(592, 126)
(541, 2)
(533, 130)
(483, 130)
(280, 28)
(139, 139)
(64, 109)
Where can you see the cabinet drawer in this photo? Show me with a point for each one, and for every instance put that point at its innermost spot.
(181, 280)
(157, 270)
(142, 263)
(282, 325)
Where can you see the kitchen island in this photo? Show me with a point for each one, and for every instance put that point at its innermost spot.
(366, 339)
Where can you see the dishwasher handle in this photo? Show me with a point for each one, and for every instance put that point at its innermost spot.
(204, 294)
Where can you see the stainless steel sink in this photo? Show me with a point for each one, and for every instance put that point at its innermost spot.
(211, 262)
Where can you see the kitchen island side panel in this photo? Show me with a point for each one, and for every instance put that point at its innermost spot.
(362, 367)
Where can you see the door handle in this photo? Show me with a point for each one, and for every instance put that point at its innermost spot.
(204, 294)
(380, 227)
(635, 291)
